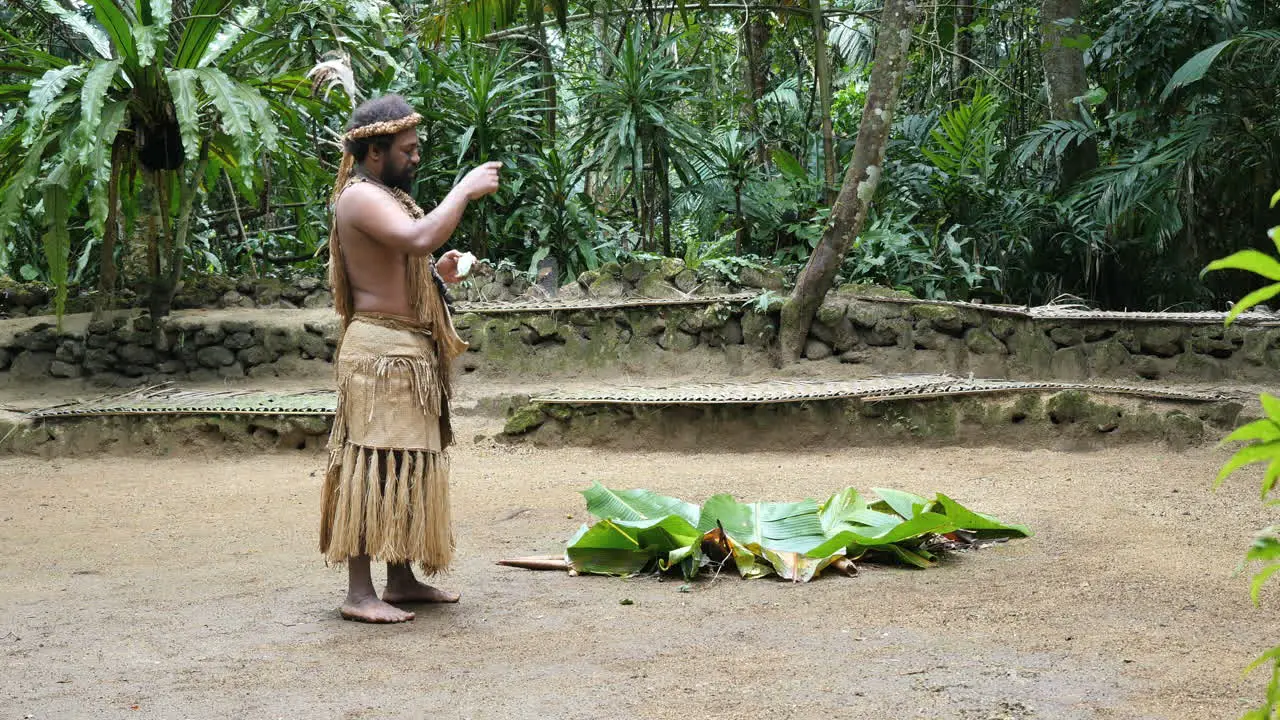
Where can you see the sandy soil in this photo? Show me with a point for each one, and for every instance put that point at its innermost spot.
(189, 587)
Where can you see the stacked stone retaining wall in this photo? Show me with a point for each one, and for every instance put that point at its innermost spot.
(884, 336)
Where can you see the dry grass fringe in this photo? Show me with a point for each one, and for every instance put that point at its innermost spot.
(392, 505)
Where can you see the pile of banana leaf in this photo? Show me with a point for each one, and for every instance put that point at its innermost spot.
(642, 532)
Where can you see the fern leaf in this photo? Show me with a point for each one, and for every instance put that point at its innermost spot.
(96, 37)
(57, 240)
(146, 38)
(199, 31)
(93, 95)
(260, 111)
(182, 87)
(237, 122)
(112, 121)
(162, 14)
(112, 18)
(43, 96)
(16, 189)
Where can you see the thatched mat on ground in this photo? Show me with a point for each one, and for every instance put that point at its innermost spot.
(189, 586)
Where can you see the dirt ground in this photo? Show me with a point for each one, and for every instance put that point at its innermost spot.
(189, 586)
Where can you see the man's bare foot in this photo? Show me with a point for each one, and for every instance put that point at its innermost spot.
(410, 593)
(372, 610)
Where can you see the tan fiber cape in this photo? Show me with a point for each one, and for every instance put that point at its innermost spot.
(386, 489)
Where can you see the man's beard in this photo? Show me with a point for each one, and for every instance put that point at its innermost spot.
(397, 177)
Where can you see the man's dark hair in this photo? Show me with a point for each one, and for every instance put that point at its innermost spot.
(382, 109)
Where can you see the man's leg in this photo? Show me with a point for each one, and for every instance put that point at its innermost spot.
(362, 601)
(404, 588)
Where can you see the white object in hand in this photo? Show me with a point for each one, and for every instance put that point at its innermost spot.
(465, 261)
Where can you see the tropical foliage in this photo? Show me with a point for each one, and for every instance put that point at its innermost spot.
(640, 531)
(144, 140)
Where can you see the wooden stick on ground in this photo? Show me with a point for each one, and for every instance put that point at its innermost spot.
(537, 562)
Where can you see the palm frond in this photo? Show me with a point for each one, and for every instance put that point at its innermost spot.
(964, 142)
(1054, 137)
(1258, 43)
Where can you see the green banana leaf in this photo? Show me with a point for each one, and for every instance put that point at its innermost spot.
(609, 504)
(904, 503)
(911, 556)
(848, 510)
(926, 523)
(748, 559)
(642, 531)
(772, 532)
(629, 547)
(966, 519)
(781, 526)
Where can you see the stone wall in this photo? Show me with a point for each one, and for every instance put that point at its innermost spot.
(1066, 420)
(655, 278)
(131, 350)
(885, 336)
(923, 337)
(664, 278)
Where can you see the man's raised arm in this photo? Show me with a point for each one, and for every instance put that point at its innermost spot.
(379, 216)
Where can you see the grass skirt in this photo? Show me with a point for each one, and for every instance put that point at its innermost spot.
(386, 488)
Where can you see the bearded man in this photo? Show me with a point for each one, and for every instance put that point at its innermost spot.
(386, 488)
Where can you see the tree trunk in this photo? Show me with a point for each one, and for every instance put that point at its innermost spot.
(849, 214)
(111, 232)
(961, 66)
(664, 177)
(822, 68)
(549, 88)
(1064, 75)
(740, 241)
(535, 12)
(166, 284)
(755, 39)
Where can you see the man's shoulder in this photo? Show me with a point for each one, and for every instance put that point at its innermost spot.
(366, 199)
(363, 193)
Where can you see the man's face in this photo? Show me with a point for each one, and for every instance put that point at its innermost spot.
(401, 161)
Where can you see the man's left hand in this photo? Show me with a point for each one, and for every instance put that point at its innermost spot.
(447, 266)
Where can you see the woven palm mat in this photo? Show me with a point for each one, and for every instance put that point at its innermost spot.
(166, 400)
(528, 306)
(1081, 313)
(902, 387)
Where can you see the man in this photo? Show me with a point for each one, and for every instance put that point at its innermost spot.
(386, 489)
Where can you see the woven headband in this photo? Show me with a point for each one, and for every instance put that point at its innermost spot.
(386, 127)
